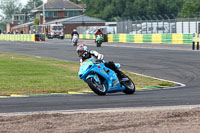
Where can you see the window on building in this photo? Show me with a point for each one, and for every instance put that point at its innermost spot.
(16, 18)
(51, 14)
(71, 13)
(76, 13)
(55, 14)
(21, 17)
(65, 14)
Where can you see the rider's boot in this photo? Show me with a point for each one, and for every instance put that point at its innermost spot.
(121, 76)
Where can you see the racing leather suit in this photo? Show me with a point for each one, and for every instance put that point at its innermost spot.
(96, 56)
(74, 32)
(91, 54)
(98, 33)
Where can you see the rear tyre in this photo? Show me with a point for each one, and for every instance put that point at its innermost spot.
(130, 86)
(97, 87)
(98, 44)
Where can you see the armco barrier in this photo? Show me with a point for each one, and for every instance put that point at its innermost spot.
(18, 37)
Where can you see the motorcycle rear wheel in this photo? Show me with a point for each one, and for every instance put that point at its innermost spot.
(98, 43)
(98, 88)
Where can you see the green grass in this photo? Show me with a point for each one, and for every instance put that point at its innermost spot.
(143, 82)
(21, 74)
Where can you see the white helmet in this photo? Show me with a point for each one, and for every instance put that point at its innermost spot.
(82, 50)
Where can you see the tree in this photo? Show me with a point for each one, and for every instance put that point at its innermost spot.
(3, 25)
(190, 9)
(10, 7)
(36, 21)
(31, 4)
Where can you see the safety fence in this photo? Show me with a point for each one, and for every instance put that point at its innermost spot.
(20, 37)
(144, 38)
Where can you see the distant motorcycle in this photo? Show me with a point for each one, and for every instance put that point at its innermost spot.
(99, 40)
(103, 80)
(75, 40)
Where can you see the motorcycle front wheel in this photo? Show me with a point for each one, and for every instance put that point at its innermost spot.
(75, 44)
(97, 87)
(130, 86)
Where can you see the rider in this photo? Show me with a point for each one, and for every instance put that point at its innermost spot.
(84, 54)
(74, 32)
(98, 32)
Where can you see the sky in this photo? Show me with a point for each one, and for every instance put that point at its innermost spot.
(25, 1)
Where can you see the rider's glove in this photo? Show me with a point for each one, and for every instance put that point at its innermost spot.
(100, 57)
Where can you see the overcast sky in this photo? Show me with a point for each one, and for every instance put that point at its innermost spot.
(25, 1)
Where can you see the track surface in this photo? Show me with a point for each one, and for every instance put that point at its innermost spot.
(177, 65)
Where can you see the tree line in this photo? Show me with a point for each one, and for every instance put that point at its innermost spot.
(9, 7)
(111, 10)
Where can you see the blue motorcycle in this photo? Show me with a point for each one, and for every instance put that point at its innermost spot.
(102, 79)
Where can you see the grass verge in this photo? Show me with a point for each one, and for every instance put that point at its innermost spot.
(20, 74)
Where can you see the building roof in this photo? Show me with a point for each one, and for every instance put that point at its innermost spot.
(76, 19)
(58, 4)
(22, 25)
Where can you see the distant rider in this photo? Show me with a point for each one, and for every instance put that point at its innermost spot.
(73, 33)
(98, 32)
(84, 54)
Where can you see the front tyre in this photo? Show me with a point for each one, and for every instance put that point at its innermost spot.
(97, 87)
(75, 44)
(129, 85)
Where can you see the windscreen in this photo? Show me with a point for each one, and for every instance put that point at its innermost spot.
(57, 28)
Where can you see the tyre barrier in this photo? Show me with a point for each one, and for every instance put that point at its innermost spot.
(143, 38)
(87, 36)
(152, 38)
(18, 37)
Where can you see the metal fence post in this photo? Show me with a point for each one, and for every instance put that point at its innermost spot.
(151, 23)
(193, 44)
(140, 24)
(146, 23)
(182, 24)
(157, 22)
(163, 22)
(197, 41)
(168, 23)
(189, 24)
(196, 24)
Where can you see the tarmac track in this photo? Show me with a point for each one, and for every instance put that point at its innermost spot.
(178, 65)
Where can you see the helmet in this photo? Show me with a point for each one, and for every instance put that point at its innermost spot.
(82, 50)
(74, 30)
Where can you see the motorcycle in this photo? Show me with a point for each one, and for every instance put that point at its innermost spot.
(99, 40)
(75, 40)
(102, 79)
